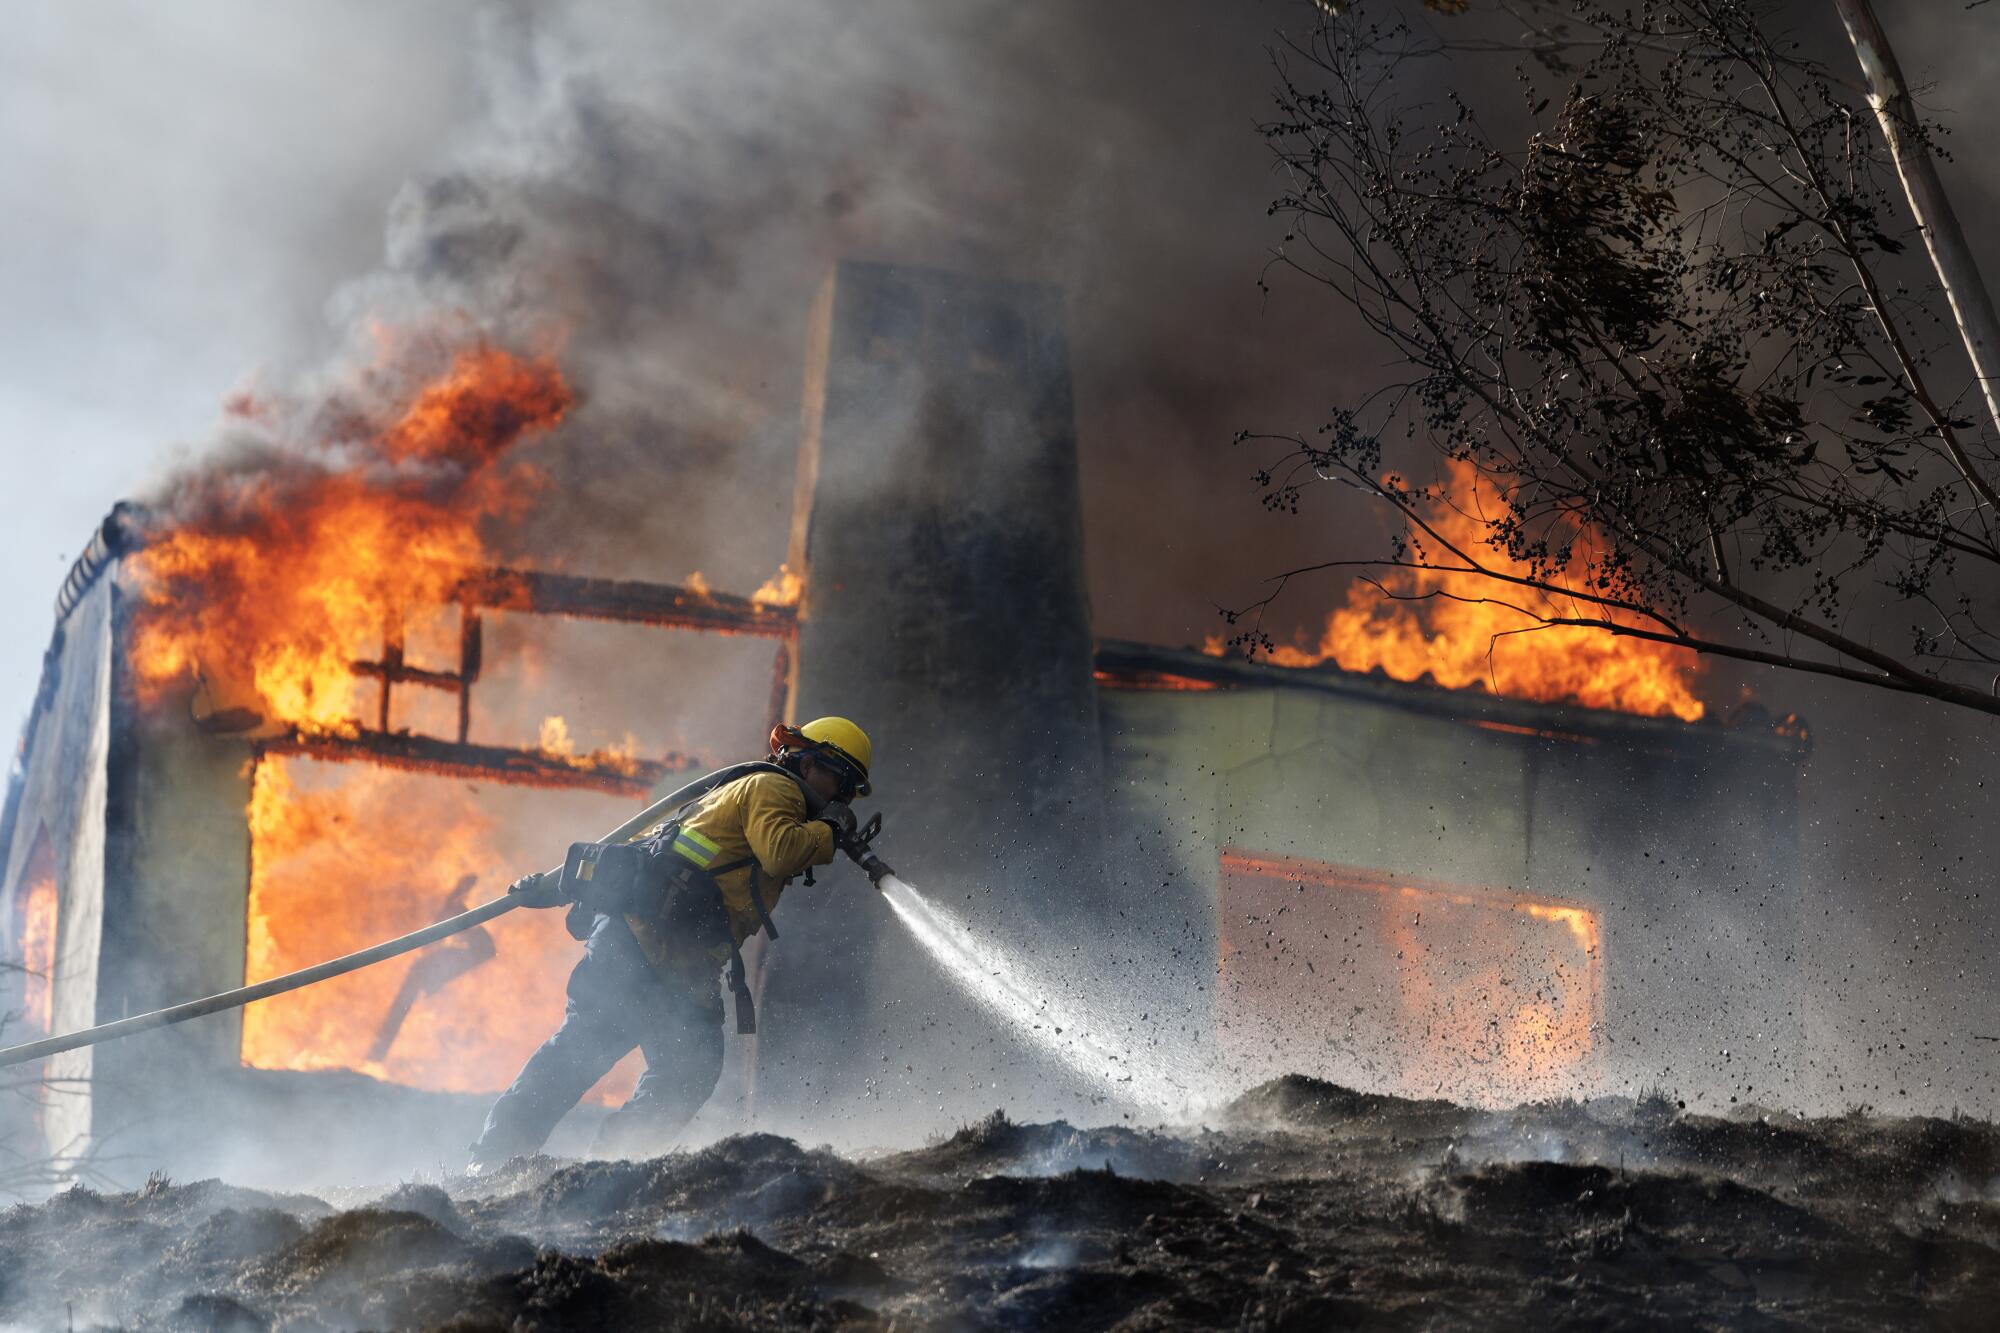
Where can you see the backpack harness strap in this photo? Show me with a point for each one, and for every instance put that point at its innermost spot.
(698, 853)
(739, 984)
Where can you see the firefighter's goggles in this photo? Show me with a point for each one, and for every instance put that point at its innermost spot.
(837, 764)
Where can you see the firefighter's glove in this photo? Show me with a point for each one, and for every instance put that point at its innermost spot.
(839, 816)
(539, 890)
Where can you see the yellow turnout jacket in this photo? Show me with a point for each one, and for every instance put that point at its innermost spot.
(761, 816)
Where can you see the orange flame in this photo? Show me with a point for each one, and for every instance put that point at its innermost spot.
(1458, 637)
(781, 589)
(555, 742)
(277, 583)
(38, 937)
(344, 859)
(285, 580)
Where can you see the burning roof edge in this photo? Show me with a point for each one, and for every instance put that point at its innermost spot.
(1143, 662)
(543, 592)
(124, 530)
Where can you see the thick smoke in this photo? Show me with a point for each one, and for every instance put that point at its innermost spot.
(663, 189)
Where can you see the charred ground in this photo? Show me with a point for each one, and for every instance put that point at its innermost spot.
(1302, 1205)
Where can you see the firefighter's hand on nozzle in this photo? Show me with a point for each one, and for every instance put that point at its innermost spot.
(839, 816)
(542, 889)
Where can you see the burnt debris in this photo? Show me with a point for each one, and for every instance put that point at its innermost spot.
(1297, 1210)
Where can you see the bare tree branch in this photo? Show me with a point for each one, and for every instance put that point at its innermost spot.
(1673, 336)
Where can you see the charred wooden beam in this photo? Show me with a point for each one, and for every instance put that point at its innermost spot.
(392, 665)
(471, 655)
(625, 600)
(1135, 679)
(401, 673)
(617, 776)
(781, 685)
(1143, 666)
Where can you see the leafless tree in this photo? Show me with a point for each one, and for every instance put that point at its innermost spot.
(1677, 326)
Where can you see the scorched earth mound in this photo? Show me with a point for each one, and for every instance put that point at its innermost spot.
(1301, 1206)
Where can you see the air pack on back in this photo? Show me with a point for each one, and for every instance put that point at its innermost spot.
(612, 879)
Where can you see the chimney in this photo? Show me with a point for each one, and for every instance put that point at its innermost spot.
(939, 524)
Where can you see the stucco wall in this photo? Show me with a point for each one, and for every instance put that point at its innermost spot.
(1684, 846)
(147, 822)
(176, 919)
(63, 790)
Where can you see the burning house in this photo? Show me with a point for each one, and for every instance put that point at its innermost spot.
(1379, 880)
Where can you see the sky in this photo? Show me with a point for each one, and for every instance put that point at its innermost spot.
(202, 198)
(186, 187)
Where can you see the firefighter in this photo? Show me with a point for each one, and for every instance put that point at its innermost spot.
(648, 976)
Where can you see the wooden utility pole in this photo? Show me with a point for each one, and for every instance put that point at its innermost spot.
(1958, 272)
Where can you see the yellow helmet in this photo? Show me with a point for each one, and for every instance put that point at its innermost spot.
(831, 736)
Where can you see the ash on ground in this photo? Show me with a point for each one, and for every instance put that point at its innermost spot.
(1302, 1205)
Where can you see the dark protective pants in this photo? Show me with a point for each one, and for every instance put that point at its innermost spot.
(616, 1001)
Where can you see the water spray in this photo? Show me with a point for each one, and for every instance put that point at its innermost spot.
(1033, 1001)
(1027, 998)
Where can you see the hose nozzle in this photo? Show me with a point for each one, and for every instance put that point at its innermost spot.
(859, 850)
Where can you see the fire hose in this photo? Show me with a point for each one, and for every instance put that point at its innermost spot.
(464, 921)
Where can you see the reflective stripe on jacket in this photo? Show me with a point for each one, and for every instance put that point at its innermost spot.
(762, 816)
